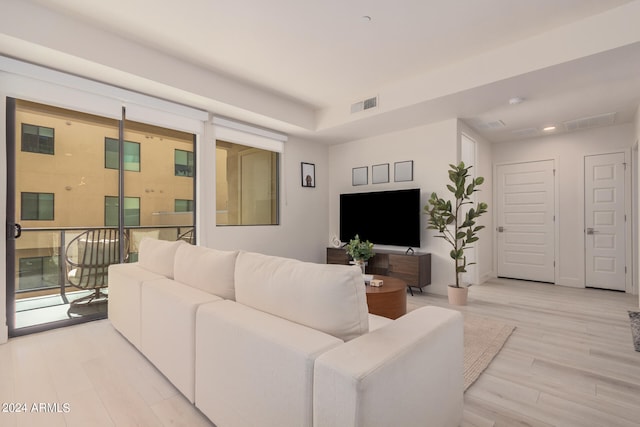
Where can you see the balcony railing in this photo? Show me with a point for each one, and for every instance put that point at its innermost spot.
(41, 261)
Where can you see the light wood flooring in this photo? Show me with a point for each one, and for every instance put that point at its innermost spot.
(570, 362)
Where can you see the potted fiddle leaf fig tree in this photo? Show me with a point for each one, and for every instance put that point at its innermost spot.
(456, 224)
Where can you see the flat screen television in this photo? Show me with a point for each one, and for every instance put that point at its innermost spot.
(382, 217)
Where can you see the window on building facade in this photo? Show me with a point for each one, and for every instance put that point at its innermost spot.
(36, 206)
(246, 185)
(131, 155)
(37, 139)
(183, 163)
(37, 273)
(182, 205)
(131, 211)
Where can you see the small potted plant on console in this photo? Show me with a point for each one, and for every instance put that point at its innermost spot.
(456, 226)
(360, 251)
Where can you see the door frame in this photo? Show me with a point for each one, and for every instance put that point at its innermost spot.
(556, 212)
(40, 84)
(8, 104)
(473, 272)
(628, 246)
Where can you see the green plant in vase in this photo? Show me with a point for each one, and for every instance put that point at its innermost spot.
(454, 225)
(360, 251)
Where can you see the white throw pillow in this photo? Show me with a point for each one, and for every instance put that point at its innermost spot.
(158, 255)
(209, 270)
(329, 298)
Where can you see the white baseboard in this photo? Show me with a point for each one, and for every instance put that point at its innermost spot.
(4, 334)
(487, 276)
(571, 282)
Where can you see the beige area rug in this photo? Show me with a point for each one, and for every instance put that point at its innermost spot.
(483, 339)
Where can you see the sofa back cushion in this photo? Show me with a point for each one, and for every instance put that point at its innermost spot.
(329, 298)
(209, 270)
(158, 255)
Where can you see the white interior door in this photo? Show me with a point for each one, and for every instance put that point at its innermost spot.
(526, 215)
(605, 240)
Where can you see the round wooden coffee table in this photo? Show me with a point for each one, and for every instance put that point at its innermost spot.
(388, 300)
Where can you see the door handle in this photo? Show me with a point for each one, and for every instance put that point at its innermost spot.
(501, 229)
(591, 231)
(17, 232)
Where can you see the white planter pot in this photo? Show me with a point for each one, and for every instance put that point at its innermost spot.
(457, 296)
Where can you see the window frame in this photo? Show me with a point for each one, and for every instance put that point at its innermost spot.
(38, 209)
(190, 167)
(43, 270)
(38, 141)
(108, 140)
(116, 224)
(275, 181)
(189, 205)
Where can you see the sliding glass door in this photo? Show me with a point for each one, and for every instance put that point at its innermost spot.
(83, 190)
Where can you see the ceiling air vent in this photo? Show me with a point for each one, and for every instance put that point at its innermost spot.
(495, 124)
(364, 105)
(526, 132)
(590, 122)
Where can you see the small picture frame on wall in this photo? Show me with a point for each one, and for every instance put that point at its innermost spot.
(360, 176)
(380, 173)
(308, 174)
(403, 171)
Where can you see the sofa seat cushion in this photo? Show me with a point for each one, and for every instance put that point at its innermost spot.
(168, 330)
(125, 284)
(158, 255)
(329, 298)
(209, 270)
(255, 369)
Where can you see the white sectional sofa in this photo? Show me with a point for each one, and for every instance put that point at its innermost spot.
(257, 340)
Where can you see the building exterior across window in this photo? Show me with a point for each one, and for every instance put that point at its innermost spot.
(182, 205)
(37, 206)
(131, 211)
(67, 180)
(81, 174)
(183, 163)
(112, 155)
(37, 139)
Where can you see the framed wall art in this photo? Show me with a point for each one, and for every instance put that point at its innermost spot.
(403, 171)
(380, 173)
(360, 176)
(308, 174)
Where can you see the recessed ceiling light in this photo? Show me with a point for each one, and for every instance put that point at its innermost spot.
(549, 128)
(516, 100)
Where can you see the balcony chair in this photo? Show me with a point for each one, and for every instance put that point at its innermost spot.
(188, 236)
(96, 250)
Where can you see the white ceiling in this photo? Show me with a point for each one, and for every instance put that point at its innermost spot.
(325, 55)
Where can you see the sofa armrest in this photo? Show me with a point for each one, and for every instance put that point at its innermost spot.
(408, 373)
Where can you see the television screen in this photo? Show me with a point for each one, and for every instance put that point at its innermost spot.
(382, 217)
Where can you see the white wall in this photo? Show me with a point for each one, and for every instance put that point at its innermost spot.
(637, 192)
(432, 148)
(568, 150)
(3, 215)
